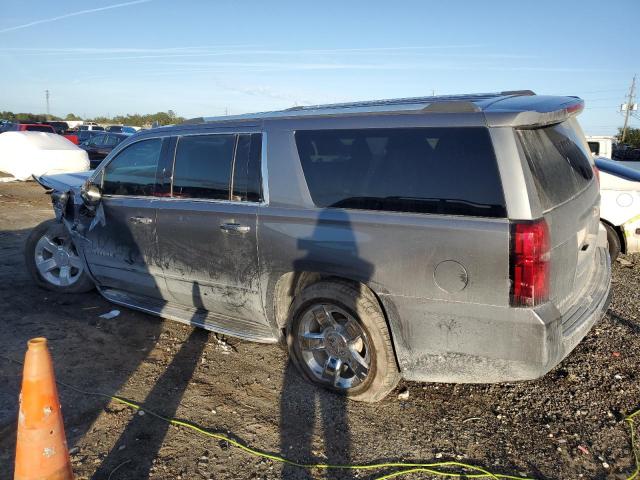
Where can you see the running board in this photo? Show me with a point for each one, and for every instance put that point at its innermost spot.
(234, 327)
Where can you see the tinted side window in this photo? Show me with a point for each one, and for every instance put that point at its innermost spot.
(594, 147)
(247, 177)
(133, 171)
(558, 161)
(424, 170)
(202, 166)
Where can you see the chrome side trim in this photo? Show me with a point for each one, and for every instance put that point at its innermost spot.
(264, 170)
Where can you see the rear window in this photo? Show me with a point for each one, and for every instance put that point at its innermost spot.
(449, 171)
(559, 162)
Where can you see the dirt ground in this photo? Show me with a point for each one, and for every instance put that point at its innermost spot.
(567, 425)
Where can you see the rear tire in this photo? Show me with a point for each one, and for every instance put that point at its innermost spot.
(53, 261)
(338, 338)
(614, 242)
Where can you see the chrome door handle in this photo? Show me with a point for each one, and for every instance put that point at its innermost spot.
(235, 228)
(141, 220)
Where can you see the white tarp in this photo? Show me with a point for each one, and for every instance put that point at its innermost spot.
(23, 154)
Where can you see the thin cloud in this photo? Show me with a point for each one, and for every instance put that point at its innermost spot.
(72, 14)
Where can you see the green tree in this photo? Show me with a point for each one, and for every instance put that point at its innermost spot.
(632, 138)
(72, 117)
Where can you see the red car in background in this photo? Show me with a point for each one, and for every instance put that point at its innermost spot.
(41, 127)
(34, 127)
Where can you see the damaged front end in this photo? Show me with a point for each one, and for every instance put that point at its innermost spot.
(76, 202)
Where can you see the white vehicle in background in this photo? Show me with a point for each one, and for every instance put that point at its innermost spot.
(601, 145)
(620, 206)
(23, 154)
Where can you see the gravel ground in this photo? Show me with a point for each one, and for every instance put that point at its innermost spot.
(566, 425)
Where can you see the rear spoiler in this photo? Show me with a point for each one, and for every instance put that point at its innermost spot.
(533, 112)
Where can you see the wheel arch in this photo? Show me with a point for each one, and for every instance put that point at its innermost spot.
(289, 284)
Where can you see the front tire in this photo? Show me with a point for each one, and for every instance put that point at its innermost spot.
(53, 261)
(338, 338)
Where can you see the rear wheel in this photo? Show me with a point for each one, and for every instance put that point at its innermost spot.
(338, 338)
(614, 242)
(53, 261)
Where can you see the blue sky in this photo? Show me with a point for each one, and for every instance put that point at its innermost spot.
(209, 57)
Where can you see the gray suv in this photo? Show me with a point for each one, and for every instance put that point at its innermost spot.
(440, 239)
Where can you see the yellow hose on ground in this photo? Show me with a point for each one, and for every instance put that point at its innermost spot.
(441, 469)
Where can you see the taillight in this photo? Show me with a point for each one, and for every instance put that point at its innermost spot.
(596, 172)
(529, 263)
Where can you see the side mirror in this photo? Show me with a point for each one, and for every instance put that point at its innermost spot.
(91, 194)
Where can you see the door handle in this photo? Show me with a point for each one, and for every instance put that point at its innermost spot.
(235, 228)
(141, 220)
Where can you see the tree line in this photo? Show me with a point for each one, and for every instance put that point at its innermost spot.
(632, 138)
(136, 120)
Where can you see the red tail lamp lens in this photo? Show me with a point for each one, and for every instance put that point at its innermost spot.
(529, 263)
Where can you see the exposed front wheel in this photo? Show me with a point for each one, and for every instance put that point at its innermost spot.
(53, 261)
(338, 338)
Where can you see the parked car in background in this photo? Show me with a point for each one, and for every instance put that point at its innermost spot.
(620, 206)
(34, 127)
(601, 145)
(446, 239)
(42, 127)
(71, 136)
(60, 127)
(626, 153)
(99, 146)
(7, 126)
(121, 129)
(27, 153)
(90, 127)
(84, 135)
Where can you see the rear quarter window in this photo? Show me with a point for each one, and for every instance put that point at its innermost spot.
(559, 161)
(450, 171)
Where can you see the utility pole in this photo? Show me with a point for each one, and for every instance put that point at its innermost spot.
(46, 95)
(628, 107)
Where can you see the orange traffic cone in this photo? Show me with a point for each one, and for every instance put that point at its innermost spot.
(41, 449)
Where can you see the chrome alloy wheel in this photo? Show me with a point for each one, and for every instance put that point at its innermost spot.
(334, 346)
(58, 261)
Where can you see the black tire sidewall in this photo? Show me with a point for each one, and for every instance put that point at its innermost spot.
(614, 242)
(383, 373)
(83, 284)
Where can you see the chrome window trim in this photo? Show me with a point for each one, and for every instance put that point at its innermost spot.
(264, 171)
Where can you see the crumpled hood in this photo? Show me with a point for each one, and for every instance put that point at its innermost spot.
(63, 182)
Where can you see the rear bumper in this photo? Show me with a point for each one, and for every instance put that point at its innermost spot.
(446, 342)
